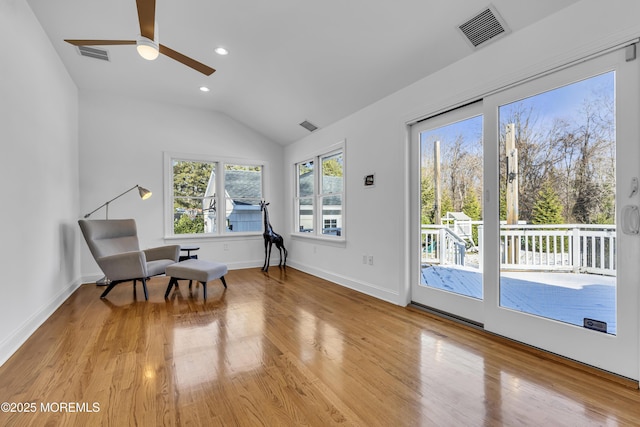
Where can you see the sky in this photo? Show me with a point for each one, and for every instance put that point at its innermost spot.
(564, 102)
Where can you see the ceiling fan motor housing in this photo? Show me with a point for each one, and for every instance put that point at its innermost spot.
(148, 49)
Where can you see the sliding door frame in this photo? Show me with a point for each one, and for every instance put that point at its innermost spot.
(619, 353)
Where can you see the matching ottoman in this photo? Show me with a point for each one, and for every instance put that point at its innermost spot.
(195, 269)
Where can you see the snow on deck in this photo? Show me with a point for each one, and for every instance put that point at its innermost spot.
(567, 297)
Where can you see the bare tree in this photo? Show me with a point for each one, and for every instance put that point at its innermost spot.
(576, 153)
(462, 166)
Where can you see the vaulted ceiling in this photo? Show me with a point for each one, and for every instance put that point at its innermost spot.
(289, 60)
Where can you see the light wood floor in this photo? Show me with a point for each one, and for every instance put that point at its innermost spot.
(287, 349)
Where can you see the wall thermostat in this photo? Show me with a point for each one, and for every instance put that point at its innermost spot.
(370, 180)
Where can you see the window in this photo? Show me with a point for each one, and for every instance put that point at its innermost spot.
(213, 197)
(320, 194)
(330, 223)
(306, 180)
(243, 192)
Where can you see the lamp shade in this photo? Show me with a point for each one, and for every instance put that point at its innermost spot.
(144, 193)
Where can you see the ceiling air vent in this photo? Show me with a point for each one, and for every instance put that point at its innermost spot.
(308, 126)
(486, 25)
(92, 52)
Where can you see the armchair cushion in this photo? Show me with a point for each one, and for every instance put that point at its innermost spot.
(159, 258)
(158, 266)
(127, 265)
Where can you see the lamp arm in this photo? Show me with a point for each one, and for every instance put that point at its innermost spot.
(107, 203)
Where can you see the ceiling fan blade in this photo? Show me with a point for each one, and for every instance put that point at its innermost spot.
(198, 66)
(99, 42)
(147, 18)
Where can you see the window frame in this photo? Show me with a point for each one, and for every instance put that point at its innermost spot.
(220, 163)
(317, 195)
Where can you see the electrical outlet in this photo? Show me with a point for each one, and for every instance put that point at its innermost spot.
(370, 259)
(225, 246)
(364, 259)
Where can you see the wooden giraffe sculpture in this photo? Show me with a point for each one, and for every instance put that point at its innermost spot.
(271, 237)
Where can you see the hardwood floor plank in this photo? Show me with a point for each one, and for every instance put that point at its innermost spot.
(289, 349)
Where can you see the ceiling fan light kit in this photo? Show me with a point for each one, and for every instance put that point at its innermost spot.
(148, 49)
(146, 44)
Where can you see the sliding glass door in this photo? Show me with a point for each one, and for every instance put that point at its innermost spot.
(558, 232)
(558, 227)
(450, 212)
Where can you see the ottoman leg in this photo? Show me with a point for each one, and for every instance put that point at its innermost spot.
(204, 289)
(224, 282)
(171, 283)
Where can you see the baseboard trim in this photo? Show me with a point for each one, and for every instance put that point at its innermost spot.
(11, 344)
(347, 282)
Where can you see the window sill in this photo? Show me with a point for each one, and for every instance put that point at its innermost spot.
(336, 241)
(212, 237)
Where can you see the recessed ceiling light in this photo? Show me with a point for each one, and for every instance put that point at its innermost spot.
(221, 51)
(204, 89)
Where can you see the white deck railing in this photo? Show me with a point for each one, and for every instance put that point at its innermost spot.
(576, 248)
(454, 246)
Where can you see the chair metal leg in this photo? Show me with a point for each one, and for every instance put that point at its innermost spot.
(111, 286)
(117, 282)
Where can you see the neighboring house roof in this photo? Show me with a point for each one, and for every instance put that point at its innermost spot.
(242, 184)
(331, 183)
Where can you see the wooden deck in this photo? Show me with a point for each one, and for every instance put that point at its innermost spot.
(288, 349)
(567, 297)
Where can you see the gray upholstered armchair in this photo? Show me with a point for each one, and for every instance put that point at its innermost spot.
(114, 245)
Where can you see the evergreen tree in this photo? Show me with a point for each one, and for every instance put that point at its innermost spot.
(503, 203)
(427, 200)
(547, 208)
(447, 204)
(472, 209)
(471, 206)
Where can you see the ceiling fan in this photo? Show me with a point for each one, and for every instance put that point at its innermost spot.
(146, 44)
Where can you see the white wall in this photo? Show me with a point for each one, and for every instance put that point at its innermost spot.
(38, 177)
(377, 142)
(122, 144)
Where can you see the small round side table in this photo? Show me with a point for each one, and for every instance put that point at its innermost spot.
(188, 249)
